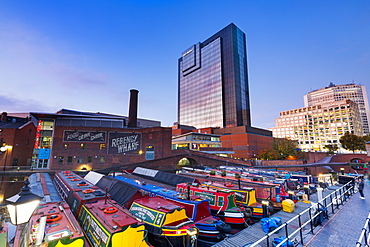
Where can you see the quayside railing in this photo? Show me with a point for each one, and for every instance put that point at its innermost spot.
(309, 218)
(363, 240)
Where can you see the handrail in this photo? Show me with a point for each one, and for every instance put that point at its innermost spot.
(364, 233)
(348, 189)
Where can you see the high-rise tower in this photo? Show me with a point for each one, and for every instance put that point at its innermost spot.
(213, 82)
(356, 93)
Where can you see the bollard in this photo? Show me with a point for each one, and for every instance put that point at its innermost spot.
(319, 194)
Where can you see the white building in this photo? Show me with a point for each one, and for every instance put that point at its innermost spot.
(356, 93)
(319, 125)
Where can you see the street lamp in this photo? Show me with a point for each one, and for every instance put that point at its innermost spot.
(21, 206)
(5, 149)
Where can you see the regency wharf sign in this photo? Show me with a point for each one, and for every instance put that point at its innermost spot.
(84, 136)
(122, 142)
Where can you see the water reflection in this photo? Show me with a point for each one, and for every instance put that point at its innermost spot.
(10, 186)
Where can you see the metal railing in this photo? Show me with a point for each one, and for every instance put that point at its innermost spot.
(309, 217)
(364, 237)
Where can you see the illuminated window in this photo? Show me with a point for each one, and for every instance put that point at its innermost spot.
(79, 160)
(102, 159)
(82, 145)
(65, 146)
(60, 159)
(102, 146)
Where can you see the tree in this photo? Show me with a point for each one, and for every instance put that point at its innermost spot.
(352, 142)
(268, 154)
(331, 148)
(285, 147)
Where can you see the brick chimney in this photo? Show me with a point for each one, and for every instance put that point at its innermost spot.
(4, 116)
(132, 114)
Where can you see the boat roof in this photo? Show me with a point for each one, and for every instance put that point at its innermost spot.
(112, 221)
(79, 186)
(163, 177)
(159, 204)
(42, 185)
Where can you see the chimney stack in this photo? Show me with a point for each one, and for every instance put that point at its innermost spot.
(132, 114)
(4, 116)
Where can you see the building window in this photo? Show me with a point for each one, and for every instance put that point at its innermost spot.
(65, 146)
(102, 146)
(89, 159)
(79, 160)
(82, 145)
(69, 159)
(102, 159)
(60, 159)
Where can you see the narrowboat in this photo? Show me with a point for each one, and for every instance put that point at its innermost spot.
(52, 224)
(222, 203)
(245, 197)
(166, 221)
(211, 229)
(104, 222)
(176, 229)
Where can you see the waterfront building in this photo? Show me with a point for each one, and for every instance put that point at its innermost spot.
(206, 143)
(17, 134)
(319, 125)
(213, 86)
(356, 93)
(94, 141)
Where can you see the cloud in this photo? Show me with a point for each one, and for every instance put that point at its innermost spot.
(13, 104)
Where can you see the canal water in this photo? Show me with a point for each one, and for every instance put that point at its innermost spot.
(10, 186)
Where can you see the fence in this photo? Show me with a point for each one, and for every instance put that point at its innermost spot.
(310, 218)
(364, 237)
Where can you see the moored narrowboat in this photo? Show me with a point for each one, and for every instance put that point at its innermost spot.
(104, 222)
(222, 203)
(211, 229)
(166, 221)
(52, 224)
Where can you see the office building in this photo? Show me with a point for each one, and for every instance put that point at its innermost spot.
(213, 86)
(356, 93)
(319, 125)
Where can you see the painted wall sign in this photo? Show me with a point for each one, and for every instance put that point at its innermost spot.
(124, 143)
(44, 153)
(146, 214)
(83, 136)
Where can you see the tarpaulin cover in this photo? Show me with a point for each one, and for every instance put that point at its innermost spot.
(163, 177)
(270, 224)
(120, 191)
(287, 243)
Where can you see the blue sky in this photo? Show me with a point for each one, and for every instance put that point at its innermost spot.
(87, 55)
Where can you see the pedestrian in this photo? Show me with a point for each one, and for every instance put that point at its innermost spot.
(361, 188)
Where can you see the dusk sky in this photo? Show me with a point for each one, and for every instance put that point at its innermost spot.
(87, 55)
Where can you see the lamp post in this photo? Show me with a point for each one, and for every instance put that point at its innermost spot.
(21, 206)
(5, 149)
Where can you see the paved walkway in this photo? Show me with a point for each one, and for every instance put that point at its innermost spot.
(344, 228)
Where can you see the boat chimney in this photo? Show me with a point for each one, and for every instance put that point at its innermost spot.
(4, 116)
(132, 114)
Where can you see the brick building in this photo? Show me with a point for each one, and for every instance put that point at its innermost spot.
(16, 140)
(69, 141)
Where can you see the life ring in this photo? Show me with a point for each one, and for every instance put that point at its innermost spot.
(71, 177)
(83, 184)
(229, 185)
(66, 172)
(53, 217)
(88, 191)
(110, 210)
(76, 179)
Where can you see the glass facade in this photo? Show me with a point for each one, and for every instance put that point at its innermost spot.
(356, 93)
(213, 82)
(43, 142)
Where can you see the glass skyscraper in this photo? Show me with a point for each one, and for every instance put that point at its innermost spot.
(213, 82)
